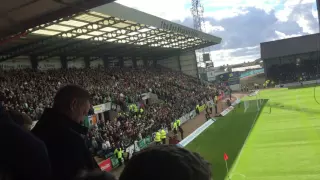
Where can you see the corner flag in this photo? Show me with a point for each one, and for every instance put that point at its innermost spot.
(225, 157)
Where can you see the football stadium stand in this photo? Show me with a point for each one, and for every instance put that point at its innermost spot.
(126, 59)
(291, 60)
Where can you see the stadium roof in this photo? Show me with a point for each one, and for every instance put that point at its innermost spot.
(19, 15)
(109, 30)
(290, 46)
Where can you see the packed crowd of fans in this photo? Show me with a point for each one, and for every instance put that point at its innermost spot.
(30, 92)
(303, 70)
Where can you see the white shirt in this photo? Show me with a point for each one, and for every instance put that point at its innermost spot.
(107, 143)
(104, 146)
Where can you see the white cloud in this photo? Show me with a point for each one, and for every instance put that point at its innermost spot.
(286, 18)
(262, 4)
(209, 28)
(225, 56)
(282, 35)
(231, 8)
(166, 9)
(305, 25)
(314, 13)
(289, 6)
(225, 13)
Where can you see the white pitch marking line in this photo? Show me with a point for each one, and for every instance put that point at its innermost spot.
(238, 174)
(240, 153)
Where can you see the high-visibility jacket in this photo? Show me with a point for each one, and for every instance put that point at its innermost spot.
(163, 134)
(178, 122)
(141, 110)
(197, 107)
(157, 138)
(118, 152)
(175, 126)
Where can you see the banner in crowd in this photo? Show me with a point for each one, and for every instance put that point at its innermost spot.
(148, 140)
(136, 146)
(130, 150)
(187, 117)
(102, 108)
(90, 121)
(114, 161)
(183, 119)
(142, 144)
(106, 165)
(210, 103)
(192, 114)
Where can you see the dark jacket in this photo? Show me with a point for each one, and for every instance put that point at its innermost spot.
(22, 155)
(66, 148)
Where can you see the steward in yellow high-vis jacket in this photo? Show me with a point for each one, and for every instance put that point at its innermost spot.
(175, 128)
(180, 128)
(118, 153)
(157, 138)
(163, 136)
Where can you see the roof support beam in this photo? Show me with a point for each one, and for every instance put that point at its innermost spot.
(121, 62)
(124, 47)
(87, 61)
(34, 62)
(96, 40)
(51, 40)
(131, 39)
(64, 62)
(134, 62)
(154, 63)
(167, 37)
(72, 8)
(106, 62)
(145, 62)
(179, 63)
(61, 48)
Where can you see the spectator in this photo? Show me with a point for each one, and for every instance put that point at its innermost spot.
(166, 162)
(21, 119)
(32, 91)
(59, 128)
(22, 156)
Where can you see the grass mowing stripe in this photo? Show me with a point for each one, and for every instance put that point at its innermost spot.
(227, 134)
(297, 149)
(284, 143)
(244, 143)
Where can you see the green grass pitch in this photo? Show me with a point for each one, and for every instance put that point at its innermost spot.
(283, 144)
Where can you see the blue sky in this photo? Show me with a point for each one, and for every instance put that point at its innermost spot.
(242, 24)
